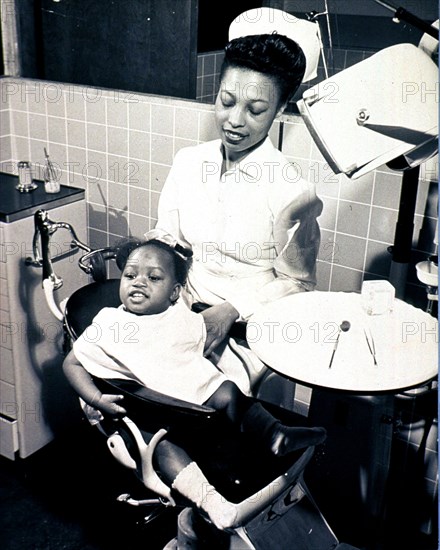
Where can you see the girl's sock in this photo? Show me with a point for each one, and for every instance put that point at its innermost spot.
(192, 484)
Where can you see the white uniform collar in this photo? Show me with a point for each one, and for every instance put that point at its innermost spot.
(248, 164)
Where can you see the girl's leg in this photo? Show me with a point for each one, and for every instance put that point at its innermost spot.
(251, 417)
(229, 399)
(187, 478)
(171, 460)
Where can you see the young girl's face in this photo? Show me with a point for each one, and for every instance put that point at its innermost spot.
(148, 283)
(246, 105)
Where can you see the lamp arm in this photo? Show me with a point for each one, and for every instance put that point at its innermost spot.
(402, 14)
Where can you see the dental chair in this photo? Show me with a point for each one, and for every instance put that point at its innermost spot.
(278, 510)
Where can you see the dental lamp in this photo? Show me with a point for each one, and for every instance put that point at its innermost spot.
(384, 108)
(382, 111)
(376, 111)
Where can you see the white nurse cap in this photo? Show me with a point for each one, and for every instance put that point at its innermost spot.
(270, 20)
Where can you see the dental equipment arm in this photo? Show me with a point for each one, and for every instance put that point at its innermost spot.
(401, 14)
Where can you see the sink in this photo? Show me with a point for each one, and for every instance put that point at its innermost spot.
(427, 272)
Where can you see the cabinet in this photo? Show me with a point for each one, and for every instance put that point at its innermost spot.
(36, 402)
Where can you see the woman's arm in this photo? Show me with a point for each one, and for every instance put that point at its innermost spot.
(297, 237)
(83, 384)
(218, 321)
(168, 207)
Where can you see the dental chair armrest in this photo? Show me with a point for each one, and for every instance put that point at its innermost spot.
(132, 389)
(152, 410)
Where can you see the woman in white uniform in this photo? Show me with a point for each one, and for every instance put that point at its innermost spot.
(248, 216)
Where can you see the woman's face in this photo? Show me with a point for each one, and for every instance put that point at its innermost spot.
(148, 284)
(245, 108)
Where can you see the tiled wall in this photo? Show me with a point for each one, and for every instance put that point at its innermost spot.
(209, 64)
(208, 71)
(119, 147)
(359, 217)
(414, 472)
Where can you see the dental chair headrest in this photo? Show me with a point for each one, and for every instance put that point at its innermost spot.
(98, 268)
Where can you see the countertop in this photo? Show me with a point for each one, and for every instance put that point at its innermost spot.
(16, 206)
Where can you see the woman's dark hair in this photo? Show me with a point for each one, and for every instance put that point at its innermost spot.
(125, 247)
(274, 55)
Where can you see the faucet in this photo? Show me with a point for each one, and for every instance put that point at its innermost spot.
(44, 228)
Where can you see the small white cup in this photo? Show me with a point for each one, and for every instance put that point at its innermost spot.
(377, 297)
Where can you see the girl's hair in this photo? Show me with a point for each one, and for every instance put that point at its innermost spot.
(275, 55)
(125, 247)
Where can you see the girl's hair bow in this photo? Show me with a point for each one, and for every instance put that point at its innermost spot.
(166, 238)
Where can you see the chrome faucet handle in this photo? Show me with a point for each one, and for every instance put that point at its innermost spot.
(44, 228)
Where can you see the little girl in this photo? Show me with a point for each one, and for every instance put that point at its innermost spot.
(155, 339)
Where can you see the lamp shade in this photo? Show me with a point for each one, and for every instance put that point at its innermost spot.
(376, 111)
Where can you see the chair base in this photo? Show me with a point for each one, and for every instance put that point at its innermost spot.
(194, 533)
(292, 521)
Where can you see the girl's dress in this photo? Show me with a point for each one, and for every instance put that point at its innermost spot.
(163, 351)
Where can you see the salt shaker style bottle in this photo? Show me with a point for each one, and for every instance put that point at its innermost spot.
(26, 183)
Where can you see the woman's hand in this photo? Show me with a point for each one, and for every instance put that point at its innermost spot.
(107, 403)
(218, 320)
